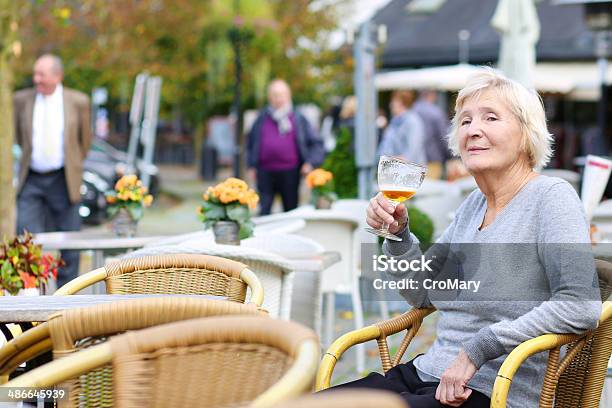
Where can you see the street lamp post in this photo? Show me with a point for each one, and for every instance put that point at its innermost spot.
(366, 137)
(238, 36)
(237, 105)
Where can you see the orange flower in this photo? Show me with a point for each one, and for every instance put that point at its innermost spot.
(29, 281)
(318, 178)
(111, 199)
(232, 190)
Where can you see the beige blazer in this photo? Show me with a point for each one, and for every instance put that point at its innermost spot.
(77, 135)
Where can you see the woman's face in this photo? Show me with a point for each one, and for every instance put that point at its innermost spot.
(489, 135)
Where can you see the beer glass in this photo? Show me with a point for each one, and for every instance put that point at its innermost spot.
(398, 181)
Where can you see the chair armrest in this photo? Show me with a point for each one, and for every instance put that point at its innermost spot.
(65, 368)
(296, 381)
(528, 348)
(257, 291)
(81, 282)
(30, 344)
(378, 331)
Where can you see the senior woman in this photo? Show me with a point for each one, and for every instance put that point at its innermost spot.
(499, 131)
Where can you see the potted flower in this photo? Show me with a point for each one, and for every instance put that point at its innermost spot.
(321, 183)
(23, 267)
(126, 205)
(226, 209)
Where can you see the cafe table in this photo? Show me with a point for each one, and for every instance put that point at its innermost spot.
(100, 242)
(26, 309)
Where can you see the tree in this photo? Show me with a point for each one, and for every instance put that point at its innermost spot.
(9, 46)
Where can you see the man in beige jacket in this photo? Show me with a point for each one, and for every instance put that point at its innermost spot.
(52, 126)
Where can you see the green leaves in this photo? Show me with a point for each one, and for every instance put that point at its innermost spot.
(213, 211)
(420, 225)
(246, 229)
(216, 211)
(136, 210)
(341, 162)
(22, 264)
(238, 212)
(112, 210)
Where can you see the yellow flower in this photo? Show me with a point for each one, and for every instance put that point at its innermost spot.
(147, 200)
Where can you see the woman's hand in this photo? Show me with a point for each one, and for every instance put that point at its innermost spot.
(453, 389)
(380, 210)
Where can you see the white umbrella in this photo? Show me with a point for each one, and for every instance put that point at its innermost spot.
(517, 22)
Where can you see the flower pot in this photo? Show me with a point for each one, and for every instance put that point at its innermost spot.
(226, 232)
(323, 203)
(123, 224)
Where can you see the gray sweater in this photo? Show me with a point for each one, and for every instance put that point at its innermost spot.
(536, 274)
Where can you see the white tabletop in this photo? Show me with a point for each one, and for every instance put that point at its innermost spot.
(14, 309)
(85, 240)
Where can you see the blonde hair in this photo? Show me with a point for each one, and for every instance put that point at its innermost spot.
(525, 104)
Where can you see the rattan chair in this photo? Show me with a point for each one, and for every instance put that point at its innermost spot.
(184, 274)
(75, 329)
(211, 362)
(273, 271)
(354, 398)
(575, 381)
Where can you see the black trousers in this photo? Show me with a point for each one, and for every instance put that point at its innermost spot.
(404, 380)
(43, 205)
(283, 182)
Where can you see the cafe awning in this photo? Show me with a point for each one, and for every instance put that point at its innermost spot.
(578, 80)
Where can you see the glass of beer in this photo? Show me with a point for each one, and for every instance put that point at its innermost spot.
(398, 180)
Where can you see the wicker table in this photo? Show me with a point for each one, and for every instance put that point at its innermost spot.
(18, 309)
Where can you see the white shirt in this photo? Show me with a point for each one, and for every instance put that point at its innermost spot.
(48, 132)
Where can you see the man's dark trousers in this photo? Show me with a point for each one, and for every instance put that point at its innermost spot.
(284, 182)
(43, 205)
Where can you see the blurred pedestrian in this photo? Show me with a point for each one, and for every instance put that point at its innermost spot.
(281, 146)
(52, 127)
(436, 126)
(405, 134)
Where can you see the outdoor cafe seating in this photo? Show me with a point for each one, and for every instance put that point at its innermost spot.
(226, 361)
(72, 330)
(573, 379)
(173, 274)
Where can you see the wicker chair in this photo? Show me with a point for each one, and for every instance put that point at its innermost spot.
(575, 381)
(355, 398)
(273, 271)
(211, 362)
(75, 329)
(184, 274)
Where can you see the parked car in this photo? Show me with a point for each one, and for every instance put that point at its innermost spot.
(103, 166)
